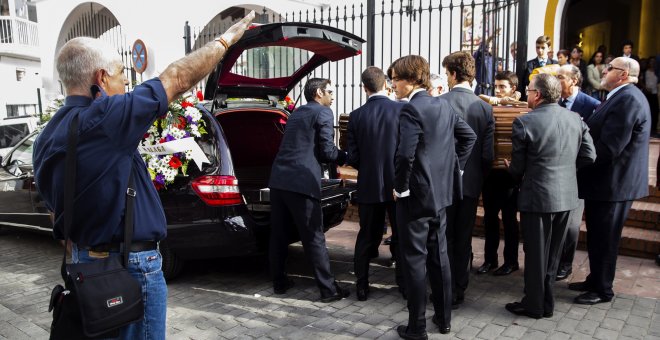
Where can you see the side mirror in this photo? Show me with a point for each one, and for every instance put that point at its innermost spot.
(14, 169)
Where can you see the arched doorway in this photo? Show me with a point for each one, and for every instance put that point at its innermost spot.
(94, 20)
(592, 23)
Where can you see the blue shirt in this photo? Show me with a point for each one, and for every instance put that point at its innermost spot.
(109, 130)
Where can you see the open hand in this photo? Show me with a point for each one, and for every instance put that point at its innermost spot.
(235, 32)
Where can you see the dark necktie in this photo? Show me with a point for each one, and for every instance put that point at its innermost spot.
(542, 63)
(562, 102)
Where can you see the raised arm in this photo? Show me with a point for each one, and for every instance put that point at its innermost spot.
(184, 73)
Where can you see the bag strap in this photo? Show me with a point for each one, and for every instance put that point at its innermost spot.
(69, 185)
(129, 215)
(69, 192)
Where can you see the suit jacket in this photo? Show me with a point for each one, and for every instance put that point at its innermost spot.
(549, 144)
(431, 136)
(584, 105)
(371, 136)
(479, 116)
(308, 140)
(529, 67)
(620, 127)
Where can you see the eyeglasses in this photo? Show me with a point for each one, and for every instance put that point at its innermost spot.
(609, 68)
(532, 90)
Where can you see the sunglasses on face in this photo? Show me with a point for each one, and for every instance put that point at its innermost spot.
(610, 67)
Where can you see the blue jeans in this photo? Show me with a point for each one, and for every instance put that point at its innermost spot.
(145, 267)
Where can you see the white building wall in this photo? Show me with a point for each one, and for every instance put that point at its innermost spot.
(158, 23)
(16, 92)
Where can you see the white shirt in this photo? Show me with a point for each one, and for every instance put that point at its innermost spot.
(544, 61)
(571, 99)
(462, 85)
(379, 93)
(615, 91)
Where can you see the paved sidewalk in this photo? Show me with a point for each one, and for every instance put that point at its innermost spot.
(233, 299)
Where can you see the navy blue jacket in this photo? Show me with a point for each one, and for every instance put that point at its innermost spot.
(479, 116)
(109, 131)
(584, 105)
(308, 141)
(372, 132)
(431, 137)
(620, 128)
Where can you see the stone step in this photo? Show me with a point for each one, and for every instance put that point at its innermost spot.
(635, 241)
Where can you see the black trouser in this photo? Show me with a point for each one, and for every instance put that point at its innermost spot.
(572, 235)
(423, 249)
(372, 219)
(653, 105)
(460, 222)
(500, 193)
(289, 208)
(544, 233)
(604, 225)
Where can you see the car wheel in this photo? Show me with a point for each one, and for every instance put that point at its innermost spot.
(172, 264)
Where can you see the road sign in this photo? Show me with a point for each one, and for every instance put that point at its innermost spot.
(139, 56)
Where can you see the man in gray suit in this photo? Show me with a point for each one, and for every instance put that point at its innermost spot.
(549, 144)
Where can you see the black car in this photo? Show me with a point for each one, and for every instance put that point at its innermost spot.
(222, 210)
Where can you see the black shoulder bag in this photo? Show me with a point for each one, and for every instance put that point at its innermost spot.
(99, 297)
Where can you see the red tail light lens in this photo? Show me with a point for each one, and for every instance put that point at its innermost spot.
(217, 190)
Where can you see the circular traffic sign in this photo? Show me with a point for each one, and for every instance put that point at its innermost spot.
(139, 56)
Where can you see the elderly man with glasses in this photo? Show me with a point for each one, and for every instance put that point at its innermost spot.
(621, 127)
(549, 144)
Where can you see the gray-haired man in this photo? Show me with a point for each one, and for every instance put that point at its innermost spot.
(548, 144)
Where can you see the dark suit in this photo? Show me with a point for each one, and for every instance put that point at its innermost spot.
(424, 165)
(463, 212)
(372, 132)
(549, 143)
(621, 128)
(529, 67)
(583, 105)
(295, 184)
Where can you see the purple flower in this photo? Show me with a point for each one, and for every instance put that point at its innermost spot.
(160, 179)
(189, 119)
(187, 134)
(169, 138)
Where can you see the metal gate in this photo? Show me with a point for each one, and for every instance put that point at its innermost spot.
(99, 22)
(395, 28)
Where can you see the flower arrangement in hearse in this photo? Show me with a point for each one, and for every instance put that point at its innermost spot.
(170, 143)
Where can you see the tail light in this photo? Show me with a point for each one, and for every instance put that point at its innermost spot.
(217, 190)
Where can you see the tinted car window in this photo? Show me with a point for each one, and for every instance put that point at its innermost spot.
(271, 62)
(23, 153)
(12, 134)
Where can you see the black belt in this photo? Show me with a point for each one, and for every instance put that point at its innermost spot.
(136, 246)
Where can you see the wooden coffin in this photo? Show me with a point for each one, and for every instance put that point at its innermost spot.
(504, 116)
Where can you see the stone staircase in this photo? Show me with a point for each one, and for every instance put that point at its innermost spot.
(641, 233)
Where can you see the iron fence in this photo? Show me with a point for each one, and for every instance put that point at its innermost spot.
(395, 28)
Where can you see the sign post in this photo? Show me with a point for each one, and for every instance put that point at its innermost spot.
(139, 56)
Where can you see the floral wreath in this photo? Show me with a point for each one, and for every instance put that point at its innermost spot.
(288, 104)
(183, 119)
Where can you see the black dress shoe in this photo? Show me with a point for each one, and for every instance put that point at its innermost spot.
(362, 294)
(281, 288)
(444, 328)
(486, 267)
(563, 273)
(338, 295)
(506, 269)
(579, 286)
(403, 333)
(518, 309)
(590, 298)
(456, 302)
